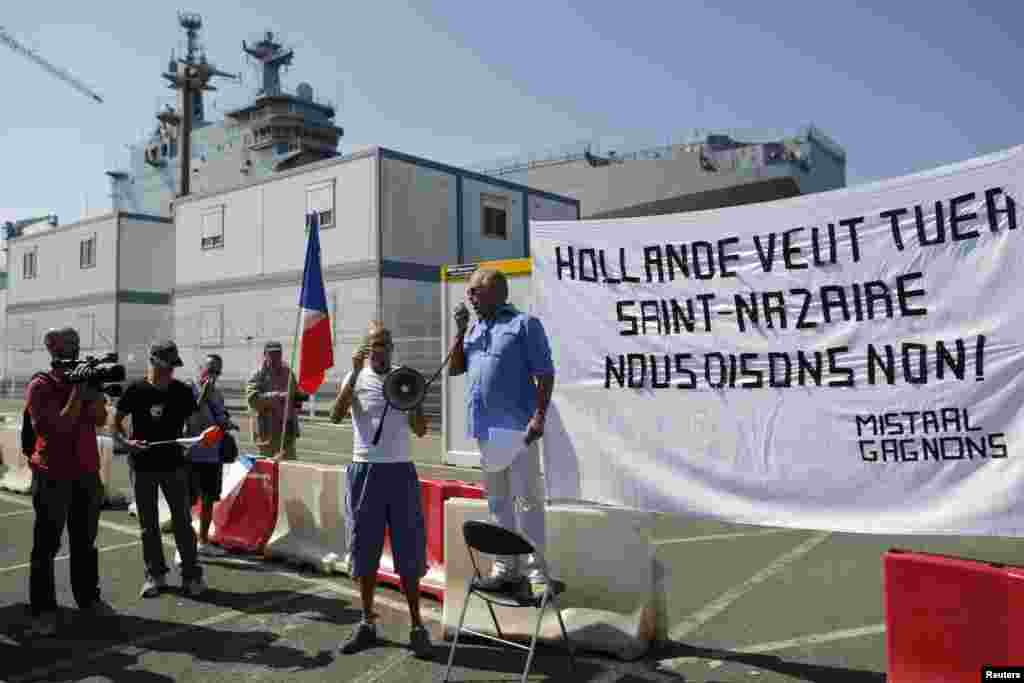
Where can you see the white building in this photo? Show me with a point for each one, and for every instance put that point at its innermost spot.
(110, 277)
(389, 221)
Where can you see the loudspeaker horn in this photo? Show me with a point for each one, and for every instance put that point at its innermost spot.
(405, 388)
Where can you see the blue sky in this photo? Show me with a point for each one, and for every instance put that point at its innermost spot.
(902, 86)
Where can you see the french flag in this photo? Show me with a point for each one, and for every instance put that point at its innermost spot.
(316, 351)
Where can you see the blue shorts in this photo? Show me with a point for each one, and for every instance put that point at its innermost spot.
(379, 495)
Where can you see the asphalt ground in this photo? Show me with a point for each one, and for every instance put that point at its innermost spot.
(742, 603)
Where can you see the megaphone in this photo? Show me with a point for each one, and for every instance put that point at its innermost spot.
(404, 388)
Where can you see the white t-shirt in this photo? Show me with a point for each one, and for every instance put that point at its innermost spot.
(368, 405)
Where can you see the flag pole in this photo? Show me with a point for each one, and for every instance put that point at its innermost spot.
(295, 348)
(291, 373)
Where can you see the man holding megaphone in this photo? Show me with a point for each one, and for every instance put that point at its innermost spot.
(510, 377)
(382, 487)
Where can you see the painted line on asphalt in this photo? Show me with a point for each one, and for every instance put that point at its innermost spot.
(26, 565)
(696, 620)
(776, 645)
(16, 512)
(375, 673)
(720, 537)
(814, 639)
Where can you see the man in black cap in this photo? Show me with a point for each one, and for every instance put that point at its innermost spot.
(272, 391)
(159, 406)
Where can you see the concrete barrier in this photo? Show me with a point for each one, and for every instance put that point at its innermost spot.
(17, 476)
(604, 555)
(310, 526)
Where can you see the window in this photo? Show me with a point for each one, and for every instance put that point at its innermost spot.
(29, 264)
(320, 200)
(28, 335)
(85, 324)
(213, 228)
(494, 216)
(87, 253)
(211, 326)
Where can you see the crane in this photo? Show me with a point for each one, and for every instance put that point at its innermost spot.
(60, 73)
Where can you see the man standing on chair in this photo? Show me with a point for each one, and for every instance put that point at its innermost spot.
(510, 378)
(271, 392)
(382, 488)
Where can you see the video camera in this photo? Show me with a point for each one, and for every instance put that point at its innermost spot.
(98, 373)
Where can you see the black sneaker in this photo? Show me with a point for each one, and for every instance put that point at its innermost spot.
(419, 640)
(100, 608)
(364, 636)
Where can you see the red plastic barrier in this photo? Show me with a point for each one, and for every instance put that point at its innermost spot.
(245, 520)
(433, 493)
(948, 617)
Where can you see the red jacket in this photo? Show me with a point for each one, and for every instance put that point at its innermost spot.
(65, 446)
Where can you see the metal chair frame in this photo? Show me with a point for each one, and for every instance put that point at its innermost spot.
(483, 537)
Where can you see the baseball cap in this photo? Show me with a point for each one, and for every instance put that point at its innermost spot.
(165, 355)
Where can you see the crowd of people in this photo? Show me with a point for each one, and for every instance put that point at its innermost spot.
(505, 356)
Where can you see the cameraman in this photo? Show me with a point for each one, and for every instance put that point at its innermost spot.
(66, 487)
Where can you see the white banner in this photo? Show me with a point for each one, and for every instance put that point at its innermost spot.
(847, 361)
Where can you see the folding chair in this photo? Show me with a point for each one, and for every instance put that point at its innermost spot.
(491, 539)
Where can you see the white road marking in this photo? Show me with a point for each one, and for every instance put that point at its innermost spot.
(26, 565)
(721, 537)
(375, 673)
(696, 620)
(814, 639)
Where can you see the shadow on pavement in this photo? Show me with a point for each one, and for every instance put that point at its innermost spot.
(803, 671)
(113, 646)
(474, 658)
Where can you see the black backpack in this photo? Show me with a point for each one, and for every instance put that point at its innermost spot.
(28, 433)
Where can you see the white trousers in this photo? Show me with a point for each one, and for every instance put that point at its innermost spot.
(515, 498)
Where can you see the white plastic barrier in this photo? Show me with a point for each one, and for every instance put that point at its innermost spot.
(310, 525)
(604, 555)
(17, 476)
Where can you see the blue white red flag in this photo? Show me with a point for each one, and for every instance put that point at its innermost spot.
(316, 350)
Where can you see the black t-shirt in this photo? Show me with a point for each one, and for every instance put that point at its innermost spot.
(158, 415)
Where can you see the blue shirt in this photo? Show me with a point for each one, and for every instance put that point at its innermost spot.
(502, 356)
(213, 412)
